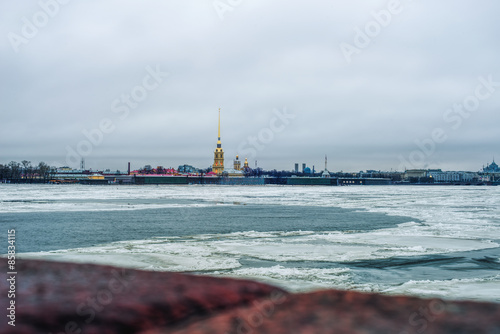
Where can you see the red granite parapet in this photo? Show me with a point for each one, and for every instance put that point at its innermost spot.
(350, 312)
(56, 298)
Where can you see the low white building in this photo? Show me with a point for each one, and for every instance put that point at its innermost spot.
(452, 176)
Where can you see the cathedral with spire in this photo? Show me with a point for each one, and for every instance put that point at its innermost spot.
(218, 166)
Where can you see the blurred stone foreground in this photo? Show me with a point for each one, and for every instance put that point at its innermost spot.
(56, 298)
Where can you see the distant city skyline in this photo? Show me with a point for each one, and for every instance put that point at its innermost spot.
(381, 85)
(229, 163)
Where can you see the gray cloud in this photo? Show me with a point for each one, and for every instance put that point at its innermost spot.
(263, 55)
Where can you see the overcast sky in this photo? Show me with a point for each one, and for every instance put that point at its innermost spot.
(372, 84)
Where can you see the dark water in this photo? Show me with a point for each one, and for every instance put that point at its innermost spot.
(45, 231)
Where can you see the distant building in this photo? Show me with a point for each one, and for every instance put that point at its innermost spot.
(67, 173)
(491, 168)
(233, 172)
(187, 169)
(326, 173)
(218, 166)
(296, 168)
(236, 171)
(415, 173)
(491, 172)
(237, 163)
(439, 176)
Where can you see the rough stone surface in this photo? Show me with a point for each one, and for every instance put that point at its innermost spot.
(350, 313)
(58, 298)
(54, 297)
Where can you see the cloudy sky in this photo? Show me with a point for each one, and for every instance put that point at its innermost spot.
(372, 84)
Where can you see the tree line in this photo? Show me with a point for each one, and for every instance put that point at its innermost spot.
(25, 172)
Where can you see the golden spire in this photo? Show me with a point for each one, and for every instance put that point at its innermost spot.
(218, 141)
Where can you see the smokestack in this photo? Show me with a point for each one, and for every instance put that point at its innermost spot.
(128, 169)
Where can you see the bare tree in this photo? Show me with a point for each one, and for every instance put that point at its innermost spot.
(31, 172)
(44, 170)
(27, 169)
(4, 172)
(15, 170)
